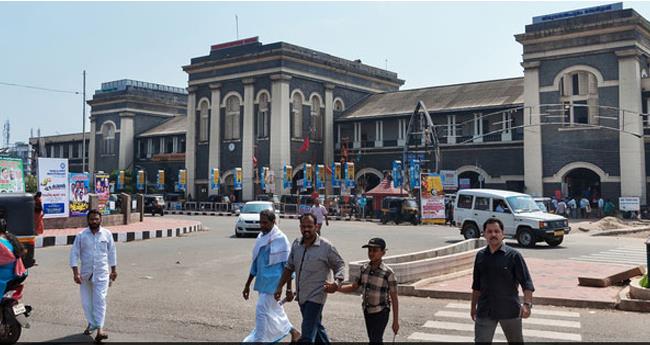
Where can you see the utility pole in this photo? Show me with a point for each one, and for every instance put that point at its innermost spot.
(83, 127)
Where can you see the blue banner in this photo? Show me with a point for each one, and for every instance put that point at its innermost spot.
(262, 179)
(397, 174)
(414, 174)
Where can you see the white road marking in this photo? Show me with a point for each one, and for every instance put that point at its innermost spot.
(455, 326)
(531, 320)
(535, 310)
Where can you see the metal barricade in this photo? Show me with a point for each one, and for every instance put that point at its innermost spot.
(221, 206)
(190, 206)
(206, 206)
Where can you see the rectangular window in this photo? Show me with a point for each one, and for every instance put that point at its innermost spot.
(181, 144)
(576, 84)
(482, 204)
(464, 201)
(169, 145)
(580, 112)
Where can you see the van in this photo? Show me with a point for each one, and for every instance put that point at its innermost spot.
(521, 217)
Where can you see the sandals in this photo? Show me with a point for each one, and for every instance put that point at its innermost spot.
(100, 337)
(89, 329)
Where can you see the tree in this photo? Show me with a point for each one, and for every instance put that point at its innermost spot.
(31, 184)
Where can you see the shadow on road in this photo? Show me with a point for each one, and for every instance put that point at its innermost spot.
(74, 338)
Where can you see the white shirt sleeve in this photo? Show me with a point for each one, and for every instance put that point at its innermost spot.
(75, 251)
(112, 252)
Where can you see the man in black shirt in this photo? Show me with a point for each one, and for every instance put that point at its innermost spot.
(498, 270)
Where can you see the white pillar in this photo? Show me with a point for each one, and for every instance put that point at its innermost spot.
(632, 151)
(91, 145)
(215, 128)
(125, 159)
(190, 140)
(248, 140)
(533, 172)
(328, 139)
(280, 127)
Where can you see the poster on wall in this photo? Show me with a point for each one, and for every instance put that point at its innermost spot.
(11, 176)
(79, 190)
(269, 181)
(160, 181)
(287, 176)
(432, 199)
(182, 180)
(53, 185)
(140, 180)
(120, 181)
(103, 191)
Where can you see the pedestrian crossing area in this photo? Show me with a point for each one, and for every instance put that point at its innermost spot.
(453, 324)
(635, 255)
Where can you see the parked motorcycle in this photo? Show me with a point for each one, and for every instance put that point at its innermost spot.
(14, 314)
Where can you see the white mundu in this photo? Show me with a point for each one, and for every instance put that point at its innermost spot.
(97, 254)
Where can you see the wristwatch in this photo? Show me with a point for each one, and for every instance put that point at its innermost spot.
(529, 305)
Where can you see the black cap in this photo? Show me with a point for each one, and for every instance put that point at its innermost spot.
(376, 242)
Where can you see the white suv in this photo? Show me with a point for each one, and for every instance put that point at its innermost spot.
(521, 218)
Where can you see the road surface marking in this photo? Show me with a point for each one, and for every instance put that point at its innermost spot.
(531, 320)
(535, 310)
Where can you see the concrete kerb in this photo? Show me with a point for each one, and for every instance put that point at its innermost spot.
(621, 231)
(127, 236)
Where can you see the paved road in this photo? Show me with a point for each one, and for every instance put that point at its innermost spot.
(189, 289)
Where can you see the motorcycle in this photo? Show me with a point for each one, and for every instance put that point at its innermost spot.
(14, 314)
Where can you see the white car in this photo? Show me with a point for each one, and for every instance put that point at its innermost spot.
(248, 217)
(521, 217)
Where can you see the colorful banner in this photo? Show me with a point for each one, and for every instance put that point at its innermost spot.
(139, 185)
(214, 180)
(238, 179)
(11, 176)
(287, 176)
(103, 191)
(336, 174)
(349, 174)
(449, 179)
(397, 174)
(432, 199)
(120, 180)
(79, 190)
(309, 176)
(182, 180)
(53, 184)
(262, 178)
(269, 181)
(160, 180)
(414, 174)
(320, 176)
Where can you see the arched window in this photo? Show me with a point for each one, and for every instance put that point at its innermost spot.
(108, 138)
(338, 105)
(297, 116)
(263, 116)
(316, 119)
(579, 95)
(203, 121)
(232, 118)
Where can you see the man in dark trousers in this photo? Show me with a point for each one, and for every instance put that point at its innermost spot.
(498, 270)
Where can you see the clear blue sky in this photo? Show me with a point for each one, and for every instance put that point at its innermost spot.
(432, 43)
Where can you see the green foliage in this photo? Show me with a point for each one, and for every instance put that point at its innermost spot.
(31, 184)
(644, 282)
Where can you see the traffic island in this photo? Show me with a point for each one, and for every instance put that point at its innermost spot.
(149, 228)
(635, 297)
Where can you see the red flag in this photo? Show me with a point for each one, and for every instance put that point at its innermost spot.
(305, 145)
(254, 161)
(328, 168)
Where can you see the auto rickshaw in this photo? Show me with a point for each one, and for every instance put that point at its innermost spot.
(399, 209)
(18, 210)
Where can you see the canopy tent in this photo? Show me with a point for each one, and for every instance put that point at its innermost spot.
(385, 188)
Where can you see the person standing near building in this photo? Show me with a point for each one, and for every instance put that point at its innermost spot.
(601, 205)
(584, 205)
(95, 249)
(320, 212)
(379, 291)
(39, 226)
(312, 258)
(498, 270)
(270, 254)
(561, 208)
(573, 208)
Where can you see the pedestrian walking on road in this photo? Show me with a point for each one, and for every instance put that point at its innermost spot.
(584, 207)
(561, 208)
(270, 254)
(39, 226)
(601, 205)
(95, 248)
(320, 212)
(573, 208)
(379, 290)
(312, 258)
(498, 270)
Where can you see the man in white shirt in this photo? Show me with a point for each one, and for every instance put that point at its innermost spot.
(95, 248)
(320, 212)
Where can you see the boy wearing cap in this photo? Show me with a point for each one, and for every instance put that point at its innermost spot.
(379, 290)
